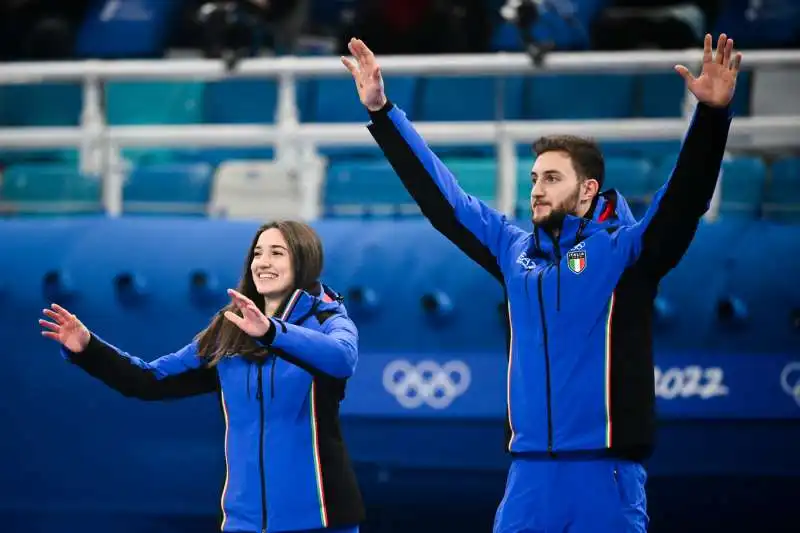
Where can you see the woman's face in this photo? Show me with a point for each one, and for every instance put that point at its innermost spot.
(272, 268)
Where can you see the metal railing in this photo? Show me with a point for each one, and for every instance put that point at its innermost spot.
(100, 145)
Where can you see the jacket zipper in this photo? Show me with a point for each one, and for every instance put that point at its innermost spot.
(546, 363)
(272, 378)
(260, 398)
(558, 274)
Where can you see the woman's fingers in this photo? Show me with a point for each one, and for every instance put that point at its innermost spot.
(233, 317)
(60, 310)
(237, 299)
(252, 313)
(54, 332)
(58, 317)
(237, 295)
(51, 335)
(248, 308)
(50, 325)
(242, 302)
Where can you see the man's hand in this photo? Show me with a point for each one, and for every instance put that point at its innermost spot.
(717, 81)
(367, 75)
(253, 321)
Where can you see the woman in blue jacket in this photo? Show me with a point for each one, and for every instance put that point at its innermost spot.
(279, 355)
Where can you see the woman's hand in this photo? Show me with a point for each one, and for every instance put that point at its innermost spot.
(65, 328)
(253, 321)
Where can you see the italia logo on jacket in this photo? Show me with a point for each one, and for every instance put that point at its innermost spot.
(576, 259)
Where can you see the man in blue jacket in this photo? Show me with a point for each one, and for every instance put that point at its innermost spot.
(580, 290)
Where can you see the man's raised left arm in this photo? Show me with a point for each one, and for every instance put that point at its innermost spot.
(661, 238)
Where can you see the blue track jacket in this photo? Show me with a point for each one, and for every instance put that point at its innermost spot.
(287, 466)
(580, 368)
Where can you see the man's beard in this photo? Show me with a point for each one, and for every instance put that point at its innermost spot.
(555, 219)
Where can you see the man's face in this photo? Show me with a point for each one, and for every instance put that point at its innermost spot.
(556, 190)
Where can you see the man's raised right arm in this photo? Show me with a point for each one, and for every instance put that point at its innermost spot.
(477, 229)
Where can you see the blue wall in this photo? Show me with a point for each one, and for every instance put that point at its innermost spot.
(74, 446)
(400, 261)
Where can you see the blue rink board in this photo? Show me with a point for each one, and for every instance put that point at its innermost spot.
(688, 386)
(727, 399)
(77, 441)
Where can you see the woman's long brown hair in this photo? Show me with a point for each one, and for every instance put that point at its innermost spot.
(223, 338)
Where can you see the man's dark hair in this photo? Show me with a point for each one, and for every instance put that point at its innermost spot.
(587, 159)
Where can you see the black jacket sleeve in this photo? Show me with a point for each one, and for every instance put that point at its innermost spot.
(661, 238)
(177, 375)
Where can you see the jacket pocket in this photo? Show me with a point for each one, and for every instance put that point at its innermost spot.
(629, 481)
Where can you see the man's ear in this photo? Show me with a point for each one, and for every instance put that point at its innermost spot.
(590, 189)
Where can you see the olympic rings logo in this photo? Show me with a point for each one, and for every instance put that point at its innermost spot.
(426, 382)
(790, 381)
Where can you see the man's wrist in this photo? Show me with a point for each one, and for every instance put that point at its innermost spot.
(379, 106)
(382, 110)
(706, 109)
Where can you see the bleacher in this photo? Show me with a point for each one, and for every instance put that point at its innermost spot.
(358, 180)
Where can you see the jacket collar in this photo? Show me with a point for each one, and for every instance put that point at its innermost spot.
(607, 210)
(302, 303)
